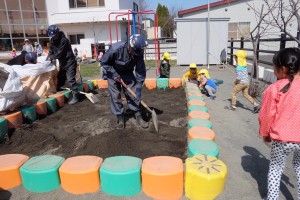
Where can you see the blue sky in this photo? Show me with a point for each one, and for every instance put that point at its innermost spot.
(184, 4)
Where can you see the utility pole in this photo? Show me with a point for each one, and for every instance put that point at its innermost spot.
(208, 33)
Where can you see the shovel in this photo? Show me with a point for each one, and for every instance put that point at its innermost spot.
(90, 96)
(153, 113)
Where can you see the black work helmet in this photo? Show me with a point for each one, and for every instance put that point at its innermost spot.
(52, 30)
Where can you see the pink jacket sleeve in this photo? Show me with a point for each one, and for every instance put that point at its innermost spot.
(268, 111)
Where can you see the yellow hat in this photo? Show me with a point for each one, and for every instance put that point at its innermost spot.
(166, 55)
(204, 71)
(193, 66)
(14, 49)
(241, 58)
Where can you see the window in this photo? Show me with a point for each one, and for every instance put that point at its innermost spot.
(75, 39)
(85, 3)
(238, 30)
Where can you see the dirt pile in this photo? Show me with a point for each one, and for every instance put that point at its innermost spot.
(89, 129)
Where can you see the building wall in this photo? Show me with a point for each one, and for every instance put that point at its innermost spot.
(59, 11)
(241, 12)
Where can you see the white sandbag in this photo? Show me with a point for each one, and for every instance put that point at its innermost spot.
(33, 69)
(12, 95)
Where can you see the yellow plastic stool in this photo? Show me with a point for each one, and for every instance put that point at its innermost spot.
(205, 177)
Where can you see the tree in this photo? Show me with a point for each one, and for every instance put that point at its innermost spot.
(165, 19)
(285, 12)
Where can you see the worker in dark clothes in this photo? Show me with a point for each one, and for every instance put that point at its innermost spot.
(119, 62)
(61, 49)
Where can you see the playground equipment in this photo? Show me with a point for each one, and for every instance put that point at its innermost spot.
(133, 29)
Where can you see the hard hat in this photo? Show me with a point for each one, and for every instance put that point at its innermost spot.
(166, 55)
(138, 43)
(26, 40)
(53, 30)
(193, 66)
(31, 57)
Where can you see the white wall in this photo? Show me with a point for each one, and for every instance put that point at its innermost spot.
(239, 12)
(60, 13)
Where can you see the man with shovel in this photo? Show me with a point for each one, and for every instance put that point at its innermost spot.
(119, 62)
(61, 49)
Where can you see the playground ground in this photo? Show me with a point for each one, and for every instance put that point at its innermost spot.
(241, 148)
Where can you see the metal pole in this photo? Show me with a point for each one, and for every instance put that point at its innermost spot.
(208, 33)
(133, 22)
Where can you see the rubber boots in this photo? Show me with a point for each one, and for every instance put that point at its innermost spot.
(140, 121)
(121, 121)
(74, 98)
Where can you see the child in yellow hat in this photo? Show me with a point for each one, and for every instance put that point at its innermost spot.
(165, 66)
(192, 75)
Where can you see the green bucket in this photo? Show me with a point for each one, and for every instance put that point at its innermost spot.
(29, 114)
(201, 108)
(200, 123)
(195, 98)
(162, 83)
(51, 104)
(3, 129)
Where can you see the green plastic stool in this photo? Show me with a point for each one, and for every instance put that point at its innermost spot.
(3, 128)
(29, 114)
(201, 108)
(202, 146)
(80, 88)
(121, 175)
(195, 98)
(40, 173)
(199, 122)
(162, 83)
(51, 104)
(90, 85)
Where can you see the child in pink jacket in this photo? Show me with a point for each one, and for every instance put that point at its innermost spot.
(279, 117)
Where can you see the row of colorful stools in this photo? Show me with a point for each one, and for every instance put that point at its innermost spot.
(201, 140)
(160, 177)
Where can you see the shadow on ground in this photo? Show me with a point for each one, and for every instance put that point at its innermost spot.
(257, 165)
(4, 194)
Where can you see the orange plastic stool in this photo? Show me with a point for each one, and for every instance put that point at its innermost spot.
(102, 84)
(162, 177)
(199, 114)
(175, 82)
(41, 108)
(80, 174)
(150, 83)
(85, 87)
(60, 98)
(14, 120)
(197, 132)
(196, 103)
(9, 170)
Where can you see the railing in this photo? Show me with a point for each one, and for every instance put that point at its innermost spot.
(283, 39)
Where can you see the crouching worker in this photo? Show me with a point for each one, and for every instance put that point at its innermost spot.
(119, 62)
(192, 75)
(30, 58)
(208, 85)
(61, 49)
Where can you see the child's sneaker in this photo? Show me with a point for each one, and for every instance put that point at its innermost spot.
(232, 107)
(212, 97)
(256, 108)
